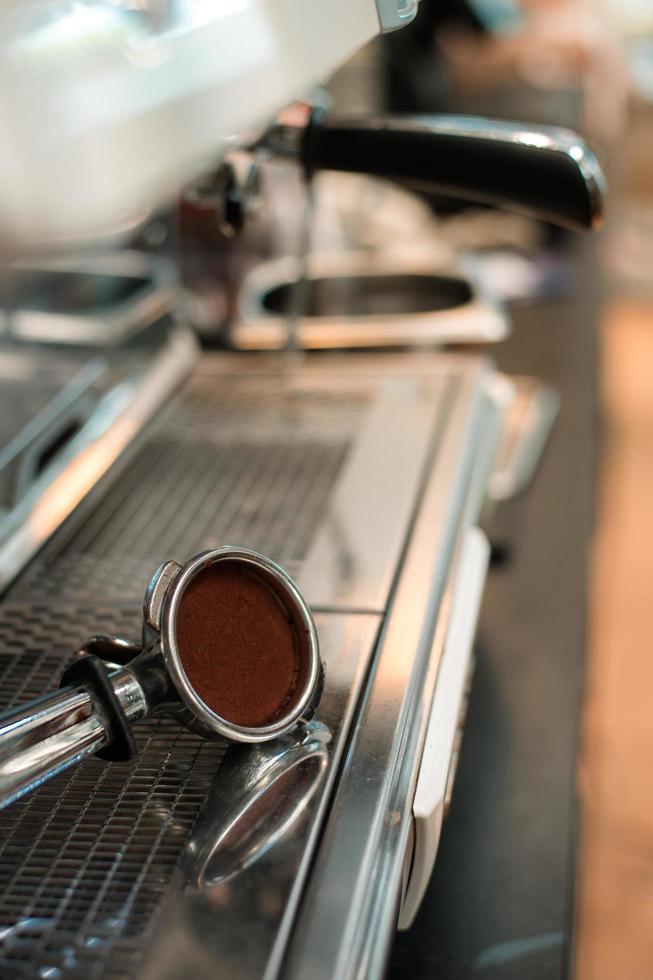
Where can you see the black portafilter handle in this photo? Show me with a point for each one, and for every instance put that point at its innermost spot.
(543, 171)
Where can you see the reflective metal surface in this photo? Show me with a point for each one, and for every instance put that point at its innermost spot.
(474, 318)
(67, 409)
(446, 716)
(87, 859)
(358, 473)
(115, 421)
(350, 906)
(295, 609)
(41, 738)
(248, 858)
(394, 14)
(45, 737)
(524, 434)
(235, 455)
(258, 798)
(351, 562)
(285, 460)
(97, 300)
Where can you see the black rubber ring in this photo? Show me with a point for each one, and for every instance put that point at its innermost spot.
(90, 672)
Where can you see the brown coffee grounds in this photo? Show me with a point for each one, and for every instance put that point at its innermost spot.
(238, 647)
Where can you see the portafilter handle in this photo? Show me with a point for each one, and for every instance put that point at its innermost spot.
(546, 172)
(112, 683)
(44, 737)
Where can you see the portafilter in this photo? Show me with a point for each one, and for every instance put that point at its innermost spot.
(229, 649)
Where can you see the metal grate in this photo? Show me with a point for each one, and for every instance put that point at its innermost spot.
(265, 408)
(86, 860)
(248, 468)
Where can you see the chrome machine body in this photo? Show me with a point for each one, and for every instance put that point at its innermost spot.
(365, 478)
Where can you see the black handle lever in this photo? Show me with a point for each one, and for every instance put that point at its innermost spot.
(547, 172)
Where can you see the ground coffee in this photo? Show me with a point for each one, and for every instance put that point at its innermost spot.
(238, 647)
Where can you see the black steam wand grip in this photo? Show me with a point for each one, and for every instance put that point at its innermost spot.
(546, 172)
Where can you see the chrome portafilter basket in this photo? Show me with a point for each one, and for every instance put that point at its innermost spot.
(112, 683)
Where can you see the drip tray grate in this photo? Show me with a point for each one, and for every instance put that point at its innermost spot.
(247, 473)
(86, 860)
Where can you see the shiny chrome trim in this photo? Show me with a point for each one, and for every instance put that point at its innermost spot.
(283, 141)
(395, 14)
(263, 884)
(42, 738)
(350, 906)
(240, 795)
(438, 760)
(129, 692)
(156, 592)
(158, 297)
(291, 598)
(72, 404)
(90, 454)
(524, 434)
(47, 715)
(481, 320)
(556, 139)
(350, 565)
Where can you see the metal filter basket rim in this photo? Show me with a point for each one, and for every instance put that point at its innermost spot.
(289, 595)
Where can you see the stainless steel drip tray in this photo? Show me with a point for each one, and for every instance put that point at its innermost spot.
(96, 300)
(244, 865)
(319, 467)
(358, 474)
(384, 300)
(66, 417)
(268, 862)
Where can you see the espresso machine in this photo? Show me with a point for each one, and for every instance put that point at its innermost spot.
(325, 425)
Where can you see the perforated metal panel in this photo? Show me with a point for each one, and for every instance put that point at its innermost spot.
(249, 467)
(86, 860)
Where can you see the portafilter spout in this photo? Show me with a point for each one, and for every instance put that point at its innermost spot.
(229, 649)
(545, 171)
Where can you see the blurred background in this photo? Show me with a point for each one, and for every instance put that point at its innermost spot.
(587, 65)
